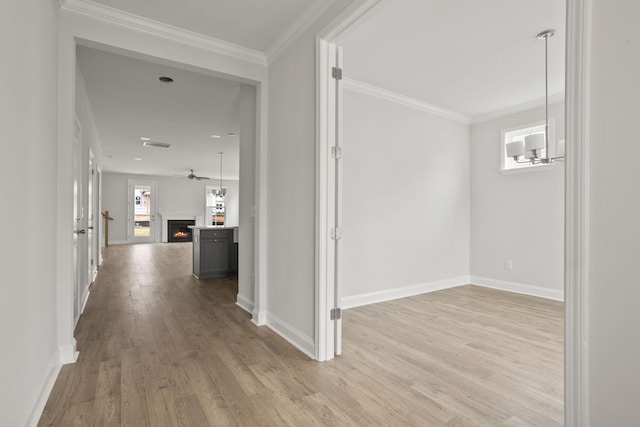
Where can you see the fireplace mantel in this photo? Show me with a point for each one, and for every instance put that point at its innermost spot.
(166, 216)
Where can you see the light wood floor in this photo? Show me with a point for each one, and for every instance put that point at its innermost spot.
(159, 348)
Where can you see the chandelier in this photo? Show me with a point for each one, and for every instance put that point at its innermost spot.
(534, 149)
(220, 192)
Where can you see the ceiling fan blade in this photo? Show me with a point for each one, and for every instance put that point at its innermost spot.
(202, 177)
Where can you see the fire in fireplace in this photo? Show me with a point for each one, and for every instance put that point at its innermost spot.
(178, 230)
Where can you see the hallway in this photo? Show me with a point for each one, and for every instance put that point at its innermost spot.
(160, 348)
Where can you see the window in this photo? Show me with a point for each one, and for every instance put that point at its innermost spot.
(215, 210)
(518, 134)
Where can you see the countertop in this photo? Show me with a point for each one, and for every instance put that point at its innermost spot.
(212, 227)
(217, 227)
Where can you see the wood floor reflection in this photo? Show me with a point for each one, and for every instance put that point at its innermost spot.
(160, 348)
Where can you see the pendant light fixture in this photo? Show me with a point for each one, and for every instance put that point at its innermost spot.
(220, 192)
(530, 150)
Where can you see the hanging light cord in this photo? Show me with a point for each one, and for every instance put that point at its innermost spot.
(546, 97)
(545, 35)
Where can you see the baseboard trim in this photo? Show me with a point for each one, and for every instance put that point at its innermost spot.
(118, 242)
(45, 391)
(86, 299)
(67, 352)
(259, 317)
(519, 288)
(292, 335)
(407, 291)
(244, 303)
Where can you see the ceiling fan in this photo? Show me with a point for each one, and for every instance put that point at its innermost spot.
(194, 176)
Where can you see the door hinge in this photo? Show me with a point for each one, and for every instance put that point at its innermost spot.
(336, 73)
(336, 313)
(336, 233)
(336, 152)
(93, 171)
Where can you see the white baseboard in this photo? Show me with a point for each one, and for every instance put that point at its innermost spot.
(407, 291)
(292, 335)
(67, 352)
(259, 317)
(84, 303)
(519, 288)
(244, 303)
(45, 390)
(119, 242)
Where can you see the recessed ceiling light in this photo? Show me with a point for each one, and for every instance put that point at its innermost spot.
(144, 138)
(231, 134)
(165, 79)
(215, 136)
(137, 158)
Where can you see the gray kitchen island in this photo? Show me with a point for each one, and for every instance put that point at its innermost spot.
(215, 252)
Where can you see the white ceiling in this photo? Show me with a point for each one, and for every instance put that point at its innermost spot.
(469, 56)
(255, 24)
(129, 102)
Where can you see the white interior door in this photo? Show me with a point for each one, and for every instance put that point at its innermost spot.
(142, 211)
(78, 230)
(91, 220)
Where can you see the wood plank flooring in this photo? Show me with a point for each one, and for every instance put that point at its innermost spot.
(159, 348)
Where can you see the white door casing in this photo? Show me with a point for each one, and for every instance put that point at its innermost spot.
(328, 336)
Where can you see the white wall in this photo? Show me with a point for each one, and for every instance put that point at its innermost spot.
(175, 194)
(406, 200)
(28, 357)
(518, 216)
(614, 288)
(291, 184)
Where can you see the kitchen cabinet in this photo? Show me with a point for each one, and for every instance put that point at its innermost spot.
(214, 252)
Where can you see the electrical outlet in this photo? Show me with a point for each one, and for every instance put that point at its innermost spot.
(508, 264)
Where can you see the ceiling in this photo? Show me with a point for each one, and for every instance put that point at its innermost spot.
(472, 57)
(129, 102)
(468, 56)
(254, 24)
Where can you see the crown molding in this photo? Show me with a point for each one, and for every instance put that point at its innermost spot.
(290, 34)
(118, 17)
(350, 19)
(553, 99)
(417, 104)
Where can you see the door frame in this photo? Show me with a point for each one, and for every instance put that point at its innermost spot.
(328, 197)
(106, 29)
(576, 196)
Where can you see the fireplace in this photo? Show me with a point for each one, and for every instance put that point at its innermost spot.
(178, 230)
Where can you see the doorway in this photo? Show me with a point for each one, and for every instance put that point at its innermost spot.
(328, 276)
(141, 42)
